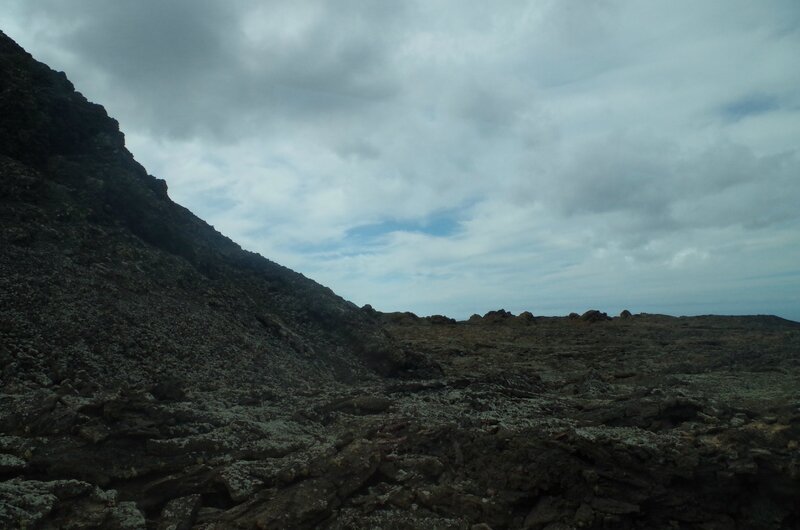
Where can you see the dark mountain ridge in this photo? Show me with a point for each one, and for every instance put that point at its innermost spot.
(87, 228)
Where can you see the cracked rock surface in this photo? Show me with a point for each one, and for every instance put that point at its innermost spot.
(527, 433)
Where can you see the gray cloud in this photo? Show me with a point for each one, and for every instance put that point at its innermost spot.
(189, 68)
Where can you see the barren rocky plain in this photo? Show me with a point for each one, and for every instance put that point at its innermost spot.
(156, 375)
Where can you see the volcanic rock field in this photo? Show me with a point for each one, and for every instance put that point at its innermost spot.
(153, 374)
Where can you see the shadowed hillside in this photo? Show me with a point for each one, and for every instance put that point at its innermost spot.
(131, 286)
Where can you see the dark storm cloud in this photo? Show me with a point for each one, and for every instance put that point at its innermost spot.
(209, 67)
(153, 44)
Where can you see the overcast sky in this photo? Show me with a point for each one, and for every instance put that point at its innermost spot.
(455, 156)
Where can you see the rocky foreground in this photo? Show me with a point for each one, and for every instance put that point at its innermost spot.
(640, 422)
(153, 374)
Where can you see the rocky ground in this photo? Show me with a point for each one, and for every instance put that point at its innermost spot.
(153, 374)
(640, 422)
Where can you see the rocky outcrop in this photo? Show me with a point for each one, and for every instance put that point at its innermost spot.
(593, 315)
(65, 504)
(501, 316)
(440, 320)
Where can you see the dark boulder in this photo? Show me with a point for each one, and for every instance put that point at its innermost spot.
(440, 320)
(593, 315)
(498, 316)
(526, 317)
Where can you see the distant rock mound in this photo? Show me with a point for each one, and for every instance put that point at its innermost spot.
(593, 315)
(526, 317)
(405, 317)
(501, 316)
(440, 320)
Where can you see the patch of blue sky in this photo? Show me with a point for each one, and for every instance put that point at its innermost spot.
(750, 105)
(439, 225)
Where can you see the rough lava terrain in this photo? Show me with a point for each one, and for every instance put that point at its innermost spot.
(156, 375)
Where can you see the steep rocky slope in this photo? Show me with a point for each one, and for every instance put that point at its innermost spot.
(104, 278)
(155, 375)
